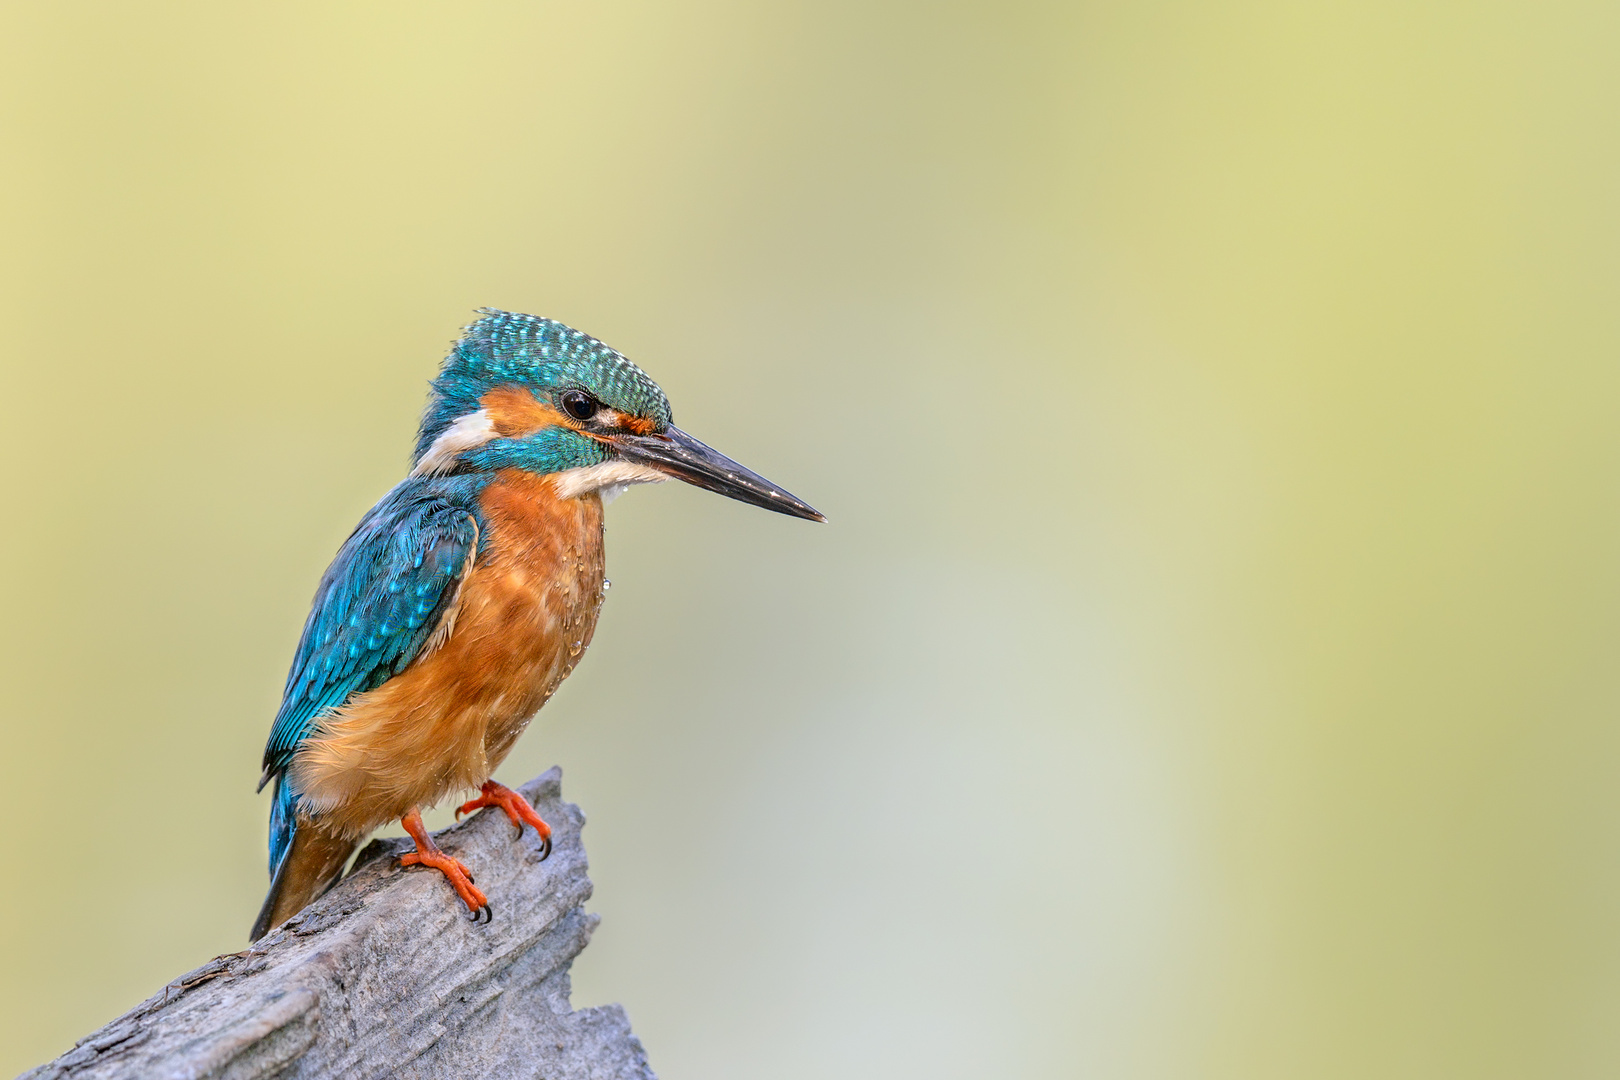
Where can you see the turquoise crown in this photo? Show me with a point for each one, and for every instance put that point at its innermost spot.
(506, 348)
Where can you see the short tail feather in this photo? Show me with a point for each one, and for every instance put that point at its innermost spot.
(305, 861)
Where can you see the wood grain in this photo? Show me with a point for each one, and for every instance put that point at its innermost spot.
(385, 976)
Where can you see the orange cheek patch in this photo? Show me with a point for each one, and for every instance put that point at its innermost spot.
(514, 412)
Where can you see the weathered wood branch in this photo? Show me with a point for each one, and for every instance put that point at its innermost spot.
(385, 976)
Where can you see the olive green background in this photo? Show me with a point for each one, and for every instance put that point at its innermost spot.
(1212, 664)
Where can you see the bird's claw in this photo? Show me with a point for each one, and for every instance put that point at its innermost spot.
(455, 872)
(517, 808)
(484, 915)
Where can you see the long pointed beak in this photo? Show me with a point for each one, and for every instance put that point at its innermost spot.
(675, 453)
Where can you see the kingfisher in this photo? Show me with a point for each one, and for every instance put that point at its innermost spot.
(466, 596)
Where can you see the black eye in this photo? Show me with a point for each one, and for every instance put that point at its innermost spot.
(579, 404)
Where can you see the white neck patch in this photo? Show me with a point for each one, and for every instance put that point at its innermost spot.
(473, 430)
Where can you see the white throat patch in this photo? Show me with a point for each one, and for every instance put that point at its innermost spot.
(610, 478)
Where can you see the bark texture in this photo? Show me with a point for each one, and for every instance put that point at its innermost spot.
(385, 976)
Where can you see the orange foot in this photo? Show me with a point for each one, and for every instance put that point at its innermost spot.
(517, 808)
(428, 853)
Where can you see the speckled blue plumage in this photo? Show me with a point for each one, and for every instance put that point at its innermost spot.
(505, 347)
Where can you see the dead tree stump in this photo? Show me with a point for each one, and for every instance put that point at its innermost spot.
(385, 976)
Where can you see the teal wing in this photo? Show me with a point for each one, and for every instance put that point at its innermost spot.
(378, 604)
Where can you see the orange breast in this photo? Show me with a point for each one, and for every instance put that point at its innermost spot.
(524, 616)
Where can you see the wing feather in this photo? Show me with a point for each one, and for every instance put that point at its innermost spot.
(387, 598)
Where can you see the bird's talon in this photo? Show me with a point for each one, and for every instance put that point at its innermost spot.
(455, 871)
(517, 809)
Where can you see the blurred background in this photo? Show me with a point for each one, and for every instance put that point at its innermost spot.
(1210, 667)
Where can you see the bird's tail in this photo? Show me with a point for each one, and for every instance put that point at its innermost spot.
(305, 861)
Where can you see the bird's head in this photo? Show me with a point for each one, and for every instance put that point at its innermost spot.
(522, 392)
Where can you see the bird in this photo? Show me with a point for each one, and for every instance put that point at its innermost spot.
(465, 597)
